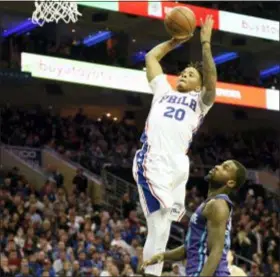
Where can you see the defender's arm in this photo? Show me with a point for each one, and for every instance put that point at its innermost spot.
(217, 214)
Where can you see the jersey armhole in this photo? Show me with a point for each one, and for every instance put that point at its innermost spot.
(204, 108)
(159, 86)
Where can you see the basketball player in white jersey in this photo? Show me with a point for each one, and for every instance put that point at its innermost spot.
(161, 166)
(233, 269)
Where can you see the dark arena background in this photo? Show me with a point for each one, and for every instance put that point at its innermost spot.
(73, 103)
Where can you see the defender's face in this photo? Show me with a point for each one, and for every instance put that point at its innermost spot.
(221, 174)
(189, 80)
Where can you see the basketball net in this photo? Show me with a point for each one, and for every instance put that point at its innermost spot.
(55, 10)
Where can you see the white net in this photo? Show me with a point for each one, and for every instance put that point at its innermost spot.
(55, 10)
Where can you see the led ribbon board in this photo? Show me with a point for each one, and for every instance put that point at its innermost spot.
(224, 21)
(124, 79)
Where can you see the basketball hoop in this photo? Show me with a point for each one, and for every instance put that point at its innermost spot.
(55, 10)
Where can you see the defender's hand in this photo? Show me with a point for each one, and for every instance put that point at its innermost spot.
(206, 29)
(156, 259)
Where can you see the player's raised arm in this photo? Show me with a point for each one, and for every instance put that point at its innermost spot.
(217, 213)
(177, 254)
(209, 67)
(153, 57)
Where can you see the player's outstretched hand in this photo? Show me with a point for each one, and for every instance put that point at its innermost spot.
(180, 40)
(206, 28)
(156, 259)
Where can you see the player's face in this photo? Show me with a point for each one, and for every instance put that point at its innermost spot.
(189, 80)
(222, 174)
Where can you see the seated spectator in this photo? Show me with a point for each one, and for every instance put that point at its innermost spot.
(25, 271)
(5, 270)
(58, 264)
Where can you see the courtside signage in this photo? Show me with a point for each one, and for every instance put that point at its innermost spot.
(224, 21)
(92, 74)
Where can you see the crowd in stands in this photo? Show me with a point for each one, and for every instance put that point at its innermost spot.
(95, 143)
(49, 233)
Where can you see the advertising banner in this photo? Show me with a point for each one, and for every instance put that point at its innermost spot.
(224, 21)
(135, 80)
(112, 5)
(159, 9)
(32, 156)
(249, 25)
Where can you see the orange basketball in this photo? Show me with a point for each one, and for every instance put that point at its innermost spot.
(180, 22)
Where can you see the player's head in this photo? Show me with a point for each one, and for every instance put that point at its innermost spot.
(230, 257)
(231, 174)
(190, 79)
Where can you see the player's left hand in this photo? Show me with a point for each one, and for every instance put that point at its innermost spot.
(154, 260)
(180, 40)
(206, 28)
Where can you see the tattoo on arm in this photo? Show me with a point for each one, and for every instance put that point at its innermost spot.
(209, 75)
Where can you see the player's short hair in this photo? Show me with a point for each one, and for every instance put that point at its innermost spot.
(241, 174)
(199, 67)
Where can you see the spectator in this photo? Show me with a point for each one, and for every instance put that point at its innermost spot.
(35, 202)
(255, 271)
(127, 205)
(80, 181)
(46, 267)
(267, 268)
(175, 270)
(5, 271)
(58, 264)
(58, 177)
(275, 270)
(25, 270)
(76, 270)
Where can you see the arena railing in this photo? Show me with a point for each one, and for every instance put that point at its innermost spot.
(241, 260)
(114, 190)
(69, 169)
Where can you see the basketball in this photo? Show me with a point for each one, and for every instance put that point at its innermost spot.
(180, 22)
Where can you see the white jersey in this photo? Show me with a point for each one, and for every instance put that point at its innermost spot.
(173, 119)
(161, 166)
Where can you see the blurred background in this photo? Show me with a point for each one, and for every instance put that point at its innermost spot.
(73, 103)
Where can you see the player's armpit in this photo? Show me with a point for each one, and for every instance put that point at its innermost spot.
(217, 213)
(209, 76)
